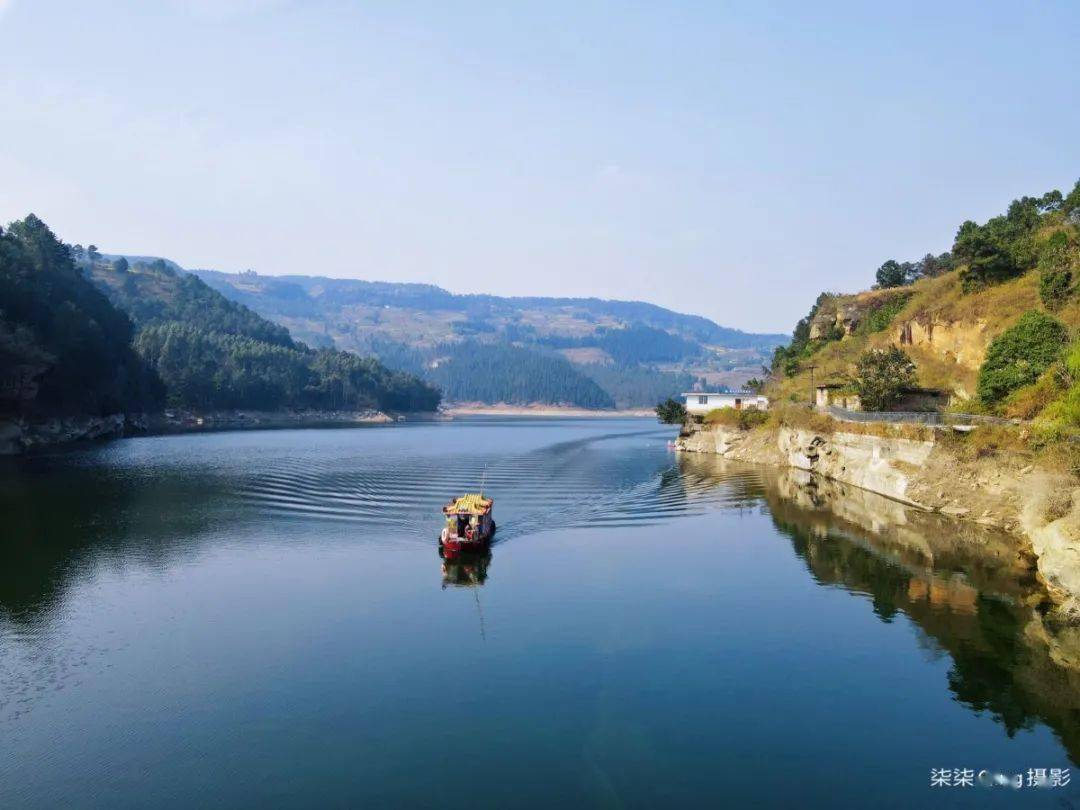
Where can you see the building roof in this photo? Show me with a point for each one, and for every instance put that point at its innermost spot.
(471, 504)
(939, 392)
(720, 394)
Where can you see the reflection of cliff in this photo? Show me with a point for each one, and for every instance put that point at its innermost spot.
(971, 591)
(991, 559)
(935, 472)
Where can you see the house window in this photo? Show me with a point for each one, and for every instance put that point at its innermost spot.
(702, 400)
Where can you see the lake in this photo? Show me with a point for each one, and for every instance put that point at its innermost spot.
(263, 619)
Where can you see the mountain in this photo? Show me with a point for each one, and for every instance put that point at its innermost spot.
(65, 350)
(216, 354)
(634, 353)
(994, 322)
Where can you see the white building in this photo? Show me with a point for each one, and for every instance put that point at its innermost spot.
(699, 403)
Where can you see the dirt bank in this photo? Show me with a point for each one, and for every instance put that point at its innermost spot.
(18, 436)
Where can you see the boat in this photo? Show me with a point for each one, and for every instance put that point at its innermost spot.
(469, 525)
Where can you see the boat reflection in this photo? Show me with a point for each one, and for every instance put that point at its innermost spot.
(464, 569)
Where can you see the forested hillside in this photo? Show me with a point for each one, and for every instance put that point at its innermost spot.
(994, 321)
(64, 349)
(636, 352)
(153, 293)
(493, 373)
(83, 335)
(213, 353)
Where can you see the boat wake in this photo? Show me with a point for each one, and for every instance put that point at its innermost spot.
(617, 479)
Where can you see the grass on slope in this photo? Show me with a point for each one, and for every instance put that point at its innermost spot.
(964, 325)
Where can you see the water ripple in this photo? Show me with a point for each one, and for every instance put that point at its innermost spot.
(596, 480)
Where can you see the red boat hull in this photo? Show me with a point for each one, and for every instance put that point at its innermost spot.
(455, 546)
(458, 548)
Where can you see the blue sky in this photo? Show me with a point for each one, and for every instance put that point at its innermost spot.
(727, 159)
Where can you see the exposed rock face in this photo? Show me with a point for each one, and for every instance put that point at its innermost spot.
(965, 343)
(1051, 520)
(73, 429)
(871, 462)
(17, 436)
(961, 345)
(1041, 507)
(843, 315)
(882, 465)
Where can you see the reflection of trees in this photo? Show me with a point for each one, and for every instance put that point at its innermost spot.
(61, 519)
(934, 571)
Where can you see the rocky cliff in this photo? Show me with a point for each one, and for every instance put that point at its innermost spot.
(943, 329)
(17, 436)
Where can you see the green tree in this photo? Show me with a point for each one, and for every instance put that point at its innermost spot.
(1051, 201)
(671, 412)
(1057, 262)
(55, 319)
(891, 274)
(471, 371)
(931, 266)
(1002, 248)
(1018, 355)
(786, 359)
(1071, 204)
(120, 265)
(881, 376)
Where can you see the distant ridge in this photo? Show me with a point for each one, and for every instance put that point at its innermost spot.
(286, 291)
(590, 352)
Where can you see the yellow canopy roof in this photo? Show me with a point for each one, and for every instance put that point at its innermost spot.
(472, 504)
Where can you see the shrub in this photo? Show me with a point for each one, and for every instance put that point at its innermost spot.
(1019, 355)
(1056, 266)
(881, 375)
(671, 412)
(1064, 412)
(1054, 286)
(880, 318)
(986, 440)
(1072, 361)
(1029, 401)
(741, 418)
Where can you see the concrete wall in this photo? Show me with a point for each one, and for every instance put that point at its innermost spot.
(835, 397)
(714, 401)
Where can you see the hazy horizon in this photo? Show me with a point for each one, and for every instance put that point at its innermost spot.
(726, 162)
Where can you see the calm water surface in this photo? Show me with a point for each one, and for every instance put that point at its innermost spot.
(262, 619)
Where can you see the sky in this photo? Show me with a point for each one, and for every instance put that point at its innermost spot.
(730, 160)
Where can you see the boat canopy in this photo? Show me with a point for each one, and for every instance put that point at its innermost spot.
(471, 504)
